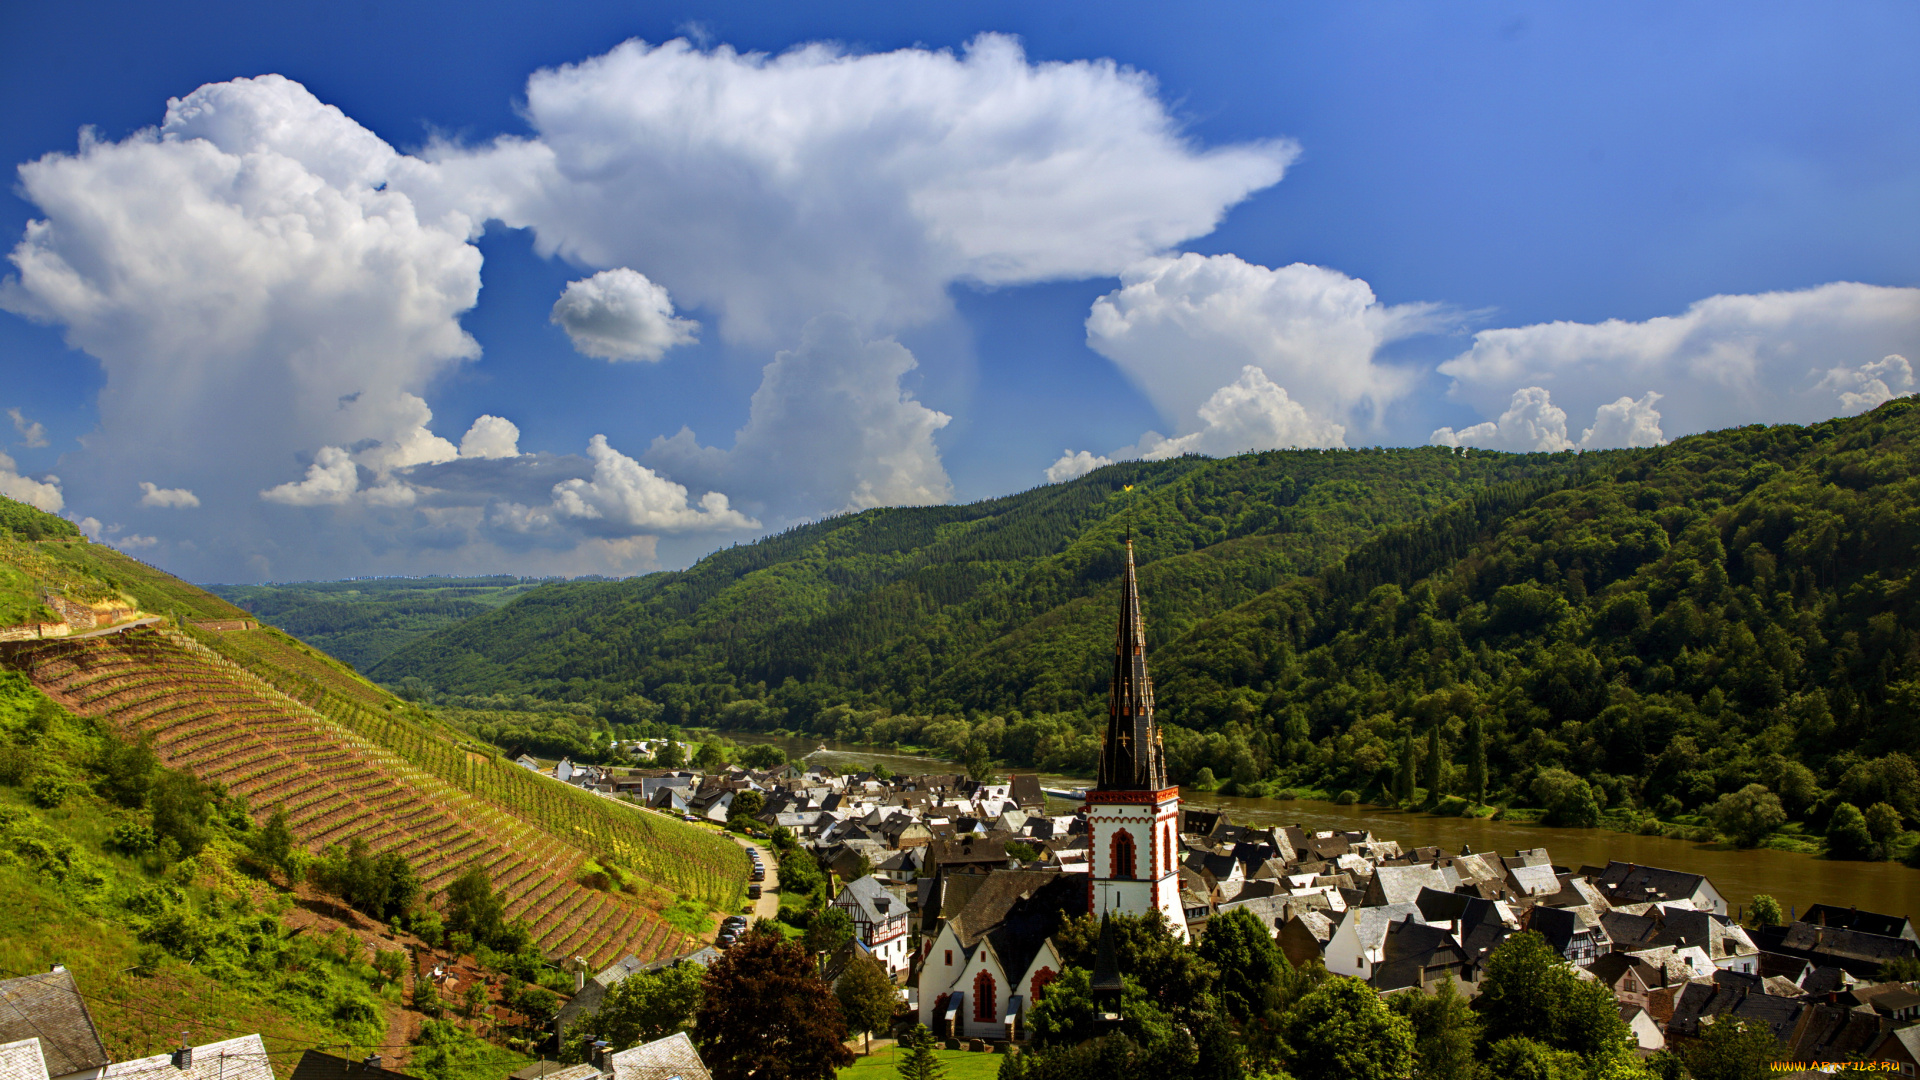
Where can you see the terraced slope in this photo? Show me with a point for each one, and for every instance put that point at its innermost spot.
(343, 770)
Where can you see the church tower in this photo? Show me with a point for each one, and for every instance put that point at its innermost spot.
(1133, 815)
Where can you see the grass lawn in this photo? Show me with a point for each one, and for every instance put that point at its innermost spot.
(961, 1065)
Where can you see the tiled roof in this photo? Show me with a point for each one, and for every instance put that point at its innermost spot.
(671, 1058)
(315, 1065)
(49, 1007)
(22, 1061)
(244, 1058)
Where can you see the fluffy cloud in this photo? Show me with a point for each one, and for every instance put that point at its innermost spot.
(1180, 325)
(1250, 413)
(1533, 422)
(632, 497)
(772, 188)
(1073, 466)
(39, 494)
(491, 437)
(153, 495)
(831, 427)
(33, 434)
(331, 480)
(619, 315)
(1726, 360)
(1870, 385)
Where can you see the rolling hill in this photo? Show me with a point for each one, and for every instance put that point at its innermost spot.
(283, 727)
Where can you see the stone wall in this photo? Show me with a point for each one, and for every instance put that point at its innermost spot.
(226, 624)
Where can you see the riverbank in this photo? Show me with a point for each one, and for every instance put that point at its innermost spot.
(1796, 878)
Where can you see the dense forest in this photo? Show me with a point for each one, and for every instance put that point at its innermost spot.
(1647, 630)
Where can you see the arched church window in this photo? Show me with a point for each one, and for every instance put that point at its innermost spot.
(1041, 980)
(986, 999)
(1123, 856)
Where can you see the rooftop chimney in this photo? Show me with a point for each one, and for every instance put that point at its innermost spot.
(183, 1057)
(600, 1056)
(372, 1062)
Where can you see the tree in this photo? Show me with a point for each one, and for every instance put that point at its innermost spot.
(1764, 910)
(1409, 769)
(1477, 758)
(1848, 836)
(1883, 823)
(126, 770)
(1529, 992)
(764, 1013)
(1250, 964)
(1341, 1031)
(1731, 1049)
(1445, 1031)
(1568, 800)
(273, 847)
(473, 909)
(1517, 1058)
(640, 1008)
(1173, 975)
(669, 756)
(474, 998)
(763, 756)
(747, 804)
(866, 997)
(181, 806)
(1749, 815)
(919, 1061)
(1436, 766)
(829, 932)
(710, 757)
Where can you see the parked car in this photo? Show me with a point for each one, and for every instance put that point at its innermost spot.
(753, 892)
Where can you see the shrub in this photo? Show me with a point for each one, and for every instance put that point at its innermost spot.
(1347, 797)
(1749, 814)
(1848, 836)
(48, 792)
(133, 838)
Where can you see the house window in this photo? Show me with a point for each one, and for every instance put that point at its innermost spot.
(1123, 855)
(986, 999)
(1041, 980)
(949, 957)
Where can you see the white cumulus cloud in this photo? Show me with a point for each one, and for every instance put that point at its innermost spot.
(772, 188)
(1726, 360)
(491, 437)
(1532, 422)
(33, 434)
(627, 493)
(619, 315)
(831, 428)
(331, 480)
(41, 494)
(1179, 326)
(1870, 385)
(1074, 465)
(1250, 413)
(154, 495)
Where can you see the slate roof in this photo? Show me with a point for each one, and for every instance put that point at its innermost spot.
(1403, 884)
(548, 1069)
(1370, 923)
(314, 1065)
(244, 1058)
(22, 1061)
(671, 1058)
(1534, 880)
(1861, 955)
(1629, 883)
(48, 1006)
(1864, 922)
(1702, 998)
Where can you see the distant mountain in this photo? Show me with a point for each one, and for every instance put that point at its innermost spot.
(363, 621)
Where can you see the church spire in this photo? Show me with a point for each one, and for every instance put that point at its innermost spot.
(1131, 758)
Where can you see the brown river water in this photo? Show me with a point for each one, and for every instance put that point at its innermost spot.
(1794, 880)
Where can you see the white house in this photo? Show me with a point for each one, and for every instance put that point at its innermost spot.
(880, 920)
(1360, 936)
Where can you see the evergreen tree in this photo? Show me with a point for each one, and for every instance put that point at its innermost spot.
(766, 1015)
(1436, 766)
(1409, 769)
(1477, 758)
(919, 1061)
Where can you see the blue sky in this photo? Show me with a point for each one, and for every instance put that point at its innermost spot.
(1502, 226)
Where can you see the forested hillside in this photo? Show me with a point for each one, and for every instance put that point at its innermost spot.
(947, 608)
(363, 621)
(1649, 630)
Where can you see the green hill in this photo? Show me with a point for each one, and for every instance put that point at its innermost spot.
(993, 605)
(145, 774)
(1635, 631)
(363, 621)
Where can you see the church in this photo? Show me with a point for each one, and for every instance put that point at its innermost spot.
(992, 953)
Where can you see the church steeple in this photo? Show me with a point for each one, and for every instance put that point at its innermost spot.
(1131, 757)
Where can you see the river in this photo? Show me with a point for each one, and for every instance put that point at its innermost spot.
(1793, 879)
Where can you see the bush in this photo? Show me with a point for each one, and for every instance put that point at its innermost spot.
(133, 838)
(48, 792)
(1848, 836)
(1883, 823)
(1568, 800)
(1347, 797)
(1749, 814)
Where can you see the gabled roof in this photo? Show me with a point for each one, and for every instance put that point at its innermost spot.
(1369, 924)
(22, 1061)
(1864, 922)
(48, 1006)
(314, 1065)
(244, 1058)
(1402, 884)
(1627, 883)
(671, 1058)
